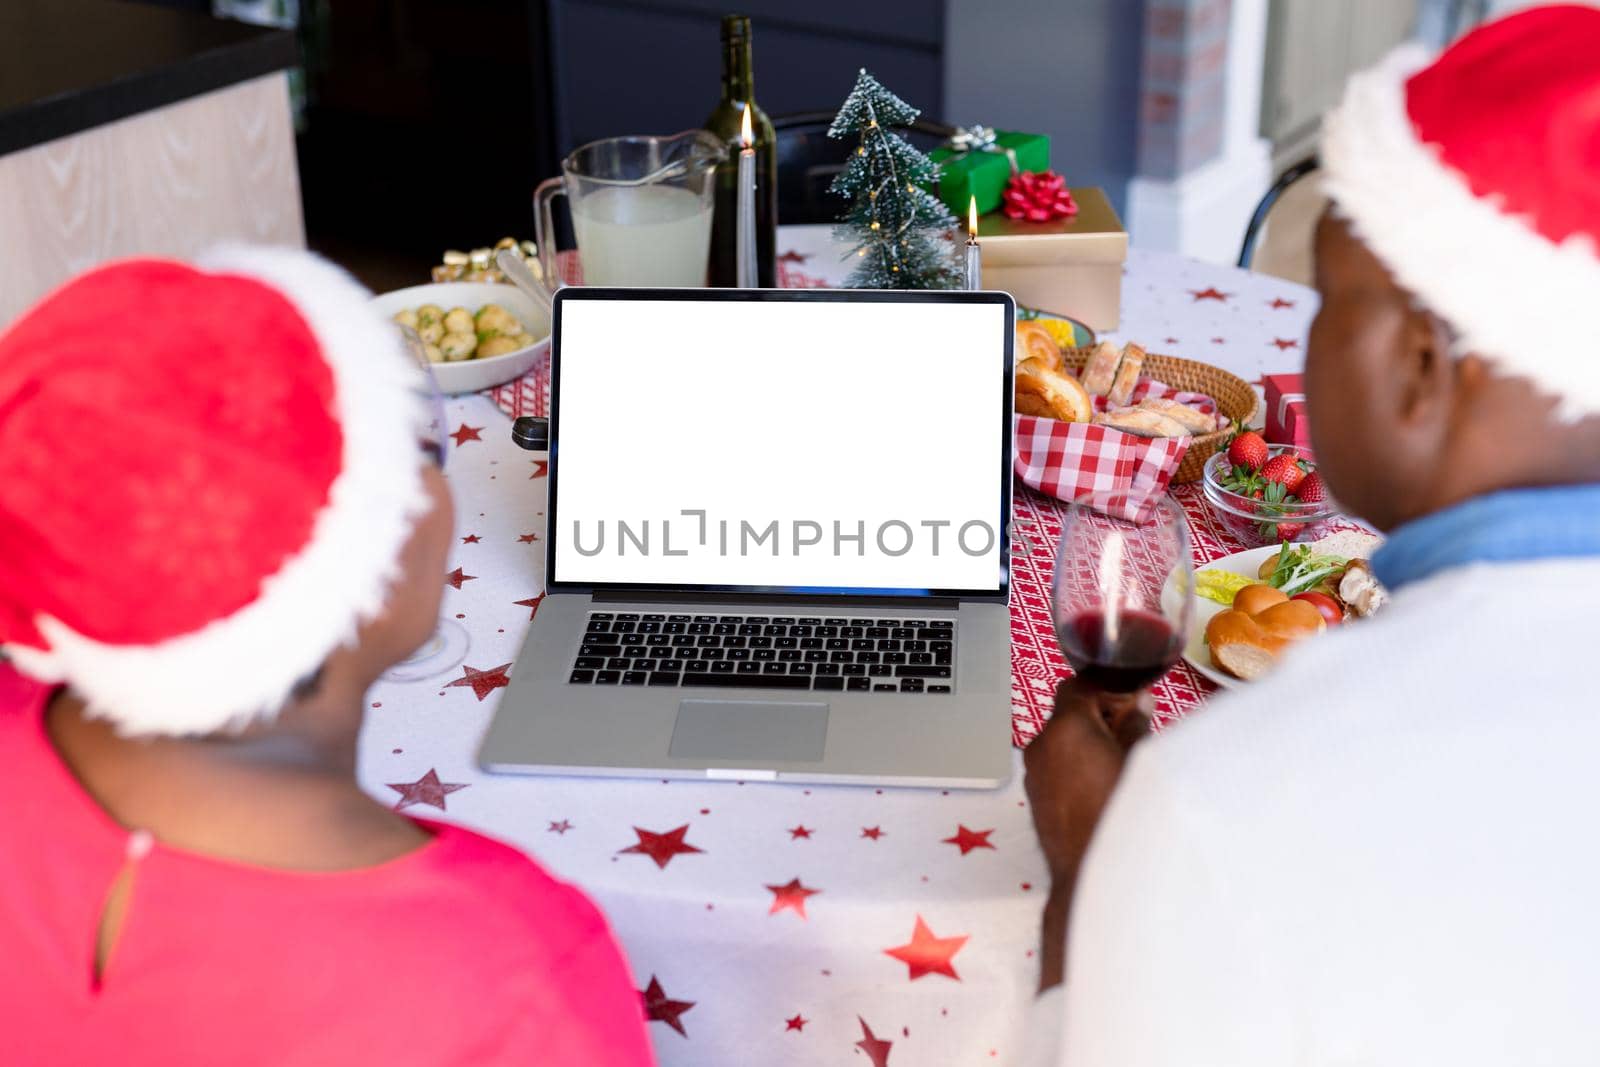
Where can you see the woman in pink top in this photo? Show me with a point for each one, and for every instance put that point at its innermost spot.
(217, 528)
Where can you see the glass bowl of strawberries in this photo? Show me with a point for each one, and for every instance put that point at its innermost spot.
(1265, 494)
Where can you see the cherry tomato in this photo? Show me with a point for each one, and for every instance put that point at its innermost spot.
(1331, 611)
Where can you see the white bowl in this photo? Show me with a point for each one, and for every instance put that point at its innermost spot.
(472, 375)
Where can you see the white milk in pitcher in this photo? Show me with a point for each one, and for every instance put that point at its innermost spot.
(650, 235)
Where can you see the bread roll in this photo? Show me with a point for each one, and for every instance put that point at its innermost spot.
(1141, 422)
(1033, 341)
(1101, 369)
(1245, 643)
(1043, 392)
(1128, 372)
(1193, 419)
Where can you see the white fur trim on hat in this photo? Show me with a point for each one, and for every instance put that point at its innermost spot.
(1515, 297)
(243, 667)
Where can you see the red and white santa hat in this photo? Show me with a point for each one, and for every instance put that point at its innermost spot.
(1476, 180)
(206, 477)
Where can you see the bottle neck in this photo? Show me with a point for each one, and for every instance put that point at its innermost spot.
(738, 82)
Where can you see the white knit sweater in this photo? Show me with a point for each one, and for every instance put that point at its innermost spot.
(1386, 853)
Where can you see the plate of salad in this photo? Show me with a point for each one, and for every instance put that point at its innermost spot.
(1315, 569)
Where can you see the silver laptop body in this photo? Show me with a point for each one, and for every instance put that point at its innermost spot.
(776, 544)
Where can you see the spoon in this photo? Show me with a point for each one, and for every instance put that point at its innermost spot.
(513, 267)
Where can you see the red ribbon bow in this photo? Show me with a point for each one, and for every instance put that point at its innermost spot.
(1038, 197)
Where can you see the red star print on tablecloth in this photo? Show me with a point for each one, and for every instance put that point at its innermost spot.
(560, 827)
(482, 682)
(1280, 302)
(967, 840)
(791, 896)
(1209, 293)
(659, 1008)
(457, 576)
(875, 1047)
(465, 433)
(425, 790)
(532, 604)
(540, 468)
(662, 847)
(926, 954)
(528, 539)
(1285, 343)
(872, 832)
(798, 1023)
(471, 539)
(800, 831)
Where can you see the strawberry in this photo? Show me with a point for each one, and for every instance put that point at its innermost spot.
(1248, 450)
(1311, 490)
(1285, 470)
(1288, 531)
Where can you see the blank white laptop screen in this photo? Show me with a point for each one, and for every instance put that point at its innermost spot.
(794, 444)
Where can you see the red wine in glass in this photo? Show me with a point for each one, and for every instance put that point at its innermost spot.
(1122, 579)
(1128, 655)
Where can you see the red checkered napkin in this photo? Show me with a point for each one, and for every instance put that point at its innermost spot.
(1074, 460)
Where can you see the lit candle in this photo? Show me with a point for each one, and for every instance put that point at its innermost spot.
(745, 236)
(974, 253)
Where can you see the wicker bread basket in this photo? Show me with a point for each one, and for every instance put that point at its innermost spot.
(1236, 400)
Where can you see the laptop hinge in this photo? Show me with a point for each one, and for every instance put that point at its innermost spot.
(939, 603)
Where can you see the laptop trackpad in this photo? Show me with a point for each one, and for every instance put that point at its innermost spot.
(749, 730)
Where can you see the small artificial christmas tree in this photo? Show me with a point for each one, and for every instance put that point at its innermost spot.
(899, 230)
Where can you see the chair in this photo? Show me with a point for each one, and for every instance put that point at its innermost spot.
(808, 161)
(1284, 248)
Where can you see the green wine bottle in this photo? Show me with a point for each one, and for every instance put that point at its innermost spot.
(738, 92)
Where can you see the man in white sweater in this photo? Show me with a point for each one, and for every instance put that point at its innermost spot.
(1383, 853)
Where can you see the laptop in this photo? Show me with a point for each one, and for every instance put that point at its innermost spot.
(776, 544)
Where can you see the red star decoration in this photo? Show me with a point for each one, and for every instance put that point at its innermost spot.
(1169, 340)
(540, 466)
(1284, 344)
(875, 1047)
(659, 1008)
(532, 604)
(1218, 340)
(873, 832)
(560, 827)
(967, 840)
(1280, 302)
(799, 832)
(482, 683)
(792, 896)
(662, 847)
(471, 539)
(1211, 293)
(926, 954)
(797, 1023)
(528, 539)
(792, 256)
(456, 577)
(465, 433)
(425, 790)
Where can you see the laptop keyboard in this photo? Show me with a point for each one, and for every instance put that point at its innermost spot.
(767, 652)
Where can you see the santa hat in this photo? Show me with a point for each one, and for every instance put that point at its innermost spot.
(206, 477)
(1476, 180)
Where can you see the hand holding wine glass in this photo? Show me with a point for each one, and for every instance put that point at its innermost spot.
(1122, 579)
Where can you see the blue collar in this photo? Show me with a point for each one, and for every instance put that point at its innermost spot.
(1505, 527)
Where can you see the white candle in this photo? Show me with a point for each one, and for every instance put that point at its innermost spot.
(974, 253)
(745, 236)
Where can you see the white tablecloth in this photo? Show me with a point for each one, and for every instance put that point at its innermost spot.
(767, 923)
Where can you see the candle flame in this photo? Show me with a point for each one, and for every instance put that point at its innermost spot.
(972, 217)
(746, 137)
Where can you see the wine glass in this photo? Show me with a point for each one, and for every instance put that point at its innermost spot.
(1122, 600)
(448, 644)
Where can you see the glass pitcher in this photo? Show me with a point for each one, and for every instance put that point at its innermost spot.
(641, 209)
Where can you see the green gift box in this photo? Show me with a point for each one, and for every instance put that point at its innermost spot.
(983, 172)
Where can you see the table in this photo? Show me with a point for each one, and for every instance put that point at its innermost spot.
(772, 923)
